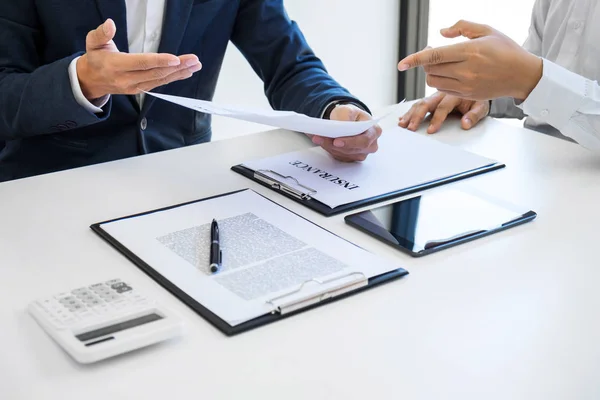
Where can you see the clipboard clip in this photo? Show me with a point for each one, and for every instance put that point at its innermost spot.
(262, 176)
(345, 286)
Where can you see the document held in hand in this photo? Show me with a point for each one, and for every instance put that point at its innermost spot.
(406, 162)
(279, 119)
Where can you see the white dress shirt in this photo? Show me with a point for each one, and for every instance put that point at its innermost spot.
(144, 31)
(566, 34)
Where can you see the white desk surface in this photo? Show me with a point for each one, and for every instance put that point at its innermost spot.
(512, 316)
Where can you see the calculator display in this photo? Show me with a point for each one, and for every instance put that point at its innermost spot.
(107, 330)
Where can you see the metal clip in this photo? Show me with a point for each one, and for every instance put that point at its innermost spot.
(331, 292)
(284, 187)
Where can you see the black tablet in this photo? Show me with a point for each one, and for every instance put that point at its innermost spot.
(438, 220)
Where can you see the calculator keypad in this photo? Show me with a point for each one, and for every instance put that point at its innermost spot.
(85, 304)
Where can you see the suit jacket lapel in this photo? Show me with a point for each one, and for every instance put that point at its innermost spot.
(177, 14)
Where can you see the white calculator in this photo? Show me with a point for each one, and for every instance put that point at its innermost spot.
(103, 320)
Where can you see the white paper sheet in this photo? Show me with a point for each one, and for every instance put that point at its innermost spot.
(267, 251)
(404, 160)
(279, 119)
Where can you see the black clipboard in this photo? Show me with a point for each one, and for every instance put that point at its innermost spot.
(204, 312)
(305, 198)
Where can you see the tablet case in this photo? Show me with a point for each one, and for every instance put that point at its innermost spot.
(204, 312)
(377, 232)
(306, 200)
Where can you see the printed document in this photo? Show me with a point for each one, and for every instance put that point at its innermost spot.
(279, 119)
(404, 160)
(268, 252)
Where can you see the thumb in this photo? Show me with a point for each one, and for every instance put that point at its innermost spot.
(467, 29)
(346, 112)
(102, 35)
(478, 111)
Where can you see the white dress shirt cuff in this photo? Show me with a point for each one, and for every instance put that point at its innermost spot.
(557, 96)
(96, 106)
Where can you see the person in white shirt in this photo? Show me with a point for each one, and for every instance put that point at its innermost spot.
(551, 80)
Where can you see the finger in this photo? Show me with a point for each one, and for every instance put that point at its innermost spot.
(464, 106)
(143, 62)
(441, 113)
(428, 103)
(147, 86)
(340, 155)
(101, 36)
(345, 112)
(348, 113)
(405, 119)
(349, 158)
(318, 140)
(423, 108)
(479, 111)
(358, 144)
(442, 83)
(440, 55)
(467, 29)
(154, 74)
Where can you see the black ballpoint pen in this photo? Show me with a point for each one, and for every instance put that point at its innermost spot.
(215, 247)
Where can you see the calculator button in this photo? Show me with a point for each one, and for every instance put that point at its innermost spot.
(123, 289)
(118, 285)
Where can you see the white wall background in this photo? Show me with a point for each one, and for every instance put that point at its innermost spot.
(356, 39)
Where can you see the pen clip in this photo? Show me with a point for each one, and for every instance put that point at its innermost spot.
(284, 187)
(282, 308)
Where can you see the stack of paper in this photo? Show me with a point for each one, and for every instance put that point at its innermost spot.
(404, 160)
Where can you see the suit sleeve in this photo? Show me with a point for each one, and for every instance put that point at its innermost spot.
(294, 77)
(35, 99)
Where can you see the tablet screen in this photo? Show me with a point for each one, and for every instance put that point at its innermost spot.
(434, 219)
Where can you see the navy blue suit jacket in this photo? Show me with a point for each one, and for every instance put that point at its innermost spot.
(42, 127)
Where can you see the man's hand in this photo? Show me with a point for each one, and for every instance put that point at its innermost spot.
(103, 70)
(353, 148)
(488, 66)
(441, 105)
